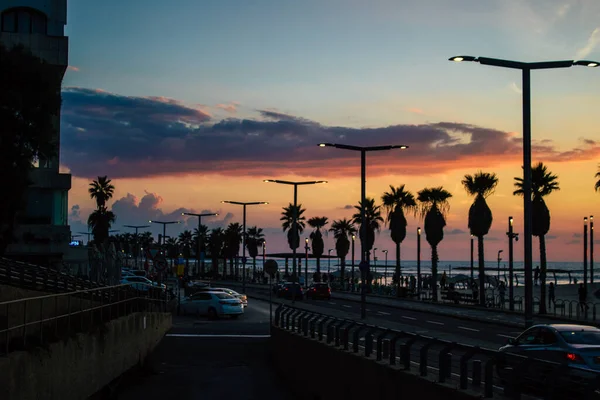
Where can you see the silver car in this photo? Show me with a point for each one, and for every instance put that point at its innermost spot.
(214, 304)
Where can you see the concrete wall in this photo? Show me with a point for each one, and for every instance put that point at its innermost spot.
(319, 371)
(81, 366)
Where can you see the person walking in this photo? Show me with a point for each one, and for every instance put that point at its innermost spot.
(551, 297)
(582, 292)
(536, 275)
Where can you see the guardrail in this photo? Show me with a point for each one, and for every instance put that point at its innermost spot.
(471, 367)
(34, 277)
(36, 321)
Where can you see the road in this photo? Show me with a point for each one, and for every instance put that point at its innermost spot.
(211, 360)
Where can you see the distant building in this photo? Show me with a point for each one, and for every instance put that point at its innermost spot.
(43, 233)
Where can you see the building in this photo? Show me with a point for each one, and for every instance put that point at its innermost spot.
(42, 234)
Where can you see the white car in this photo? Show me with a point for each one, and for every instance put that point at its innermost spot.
(242, 297)
(213, 304)
(140, 283)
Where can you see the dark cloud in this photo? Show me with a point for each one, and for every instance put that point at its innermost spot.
(130, 210)
(75, 211)
(551, 237)
(347, 207)
(125, 136)
(455, 232)
(575, 241)
(577, 235)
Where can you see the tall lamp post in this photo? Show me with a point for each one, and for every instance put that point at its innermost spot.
(374, 261)
(585, 266)
(363, 188)
(418, 263)
(329, 261)
(385, 268)
(472, 264)
(511, 236)
(526, 68)
(306, 248)
(244, 204)
(499, 259)
(164, 225)
(591, 249)
(200, 239)
(352, 275)
(137, 238)
(294, 216)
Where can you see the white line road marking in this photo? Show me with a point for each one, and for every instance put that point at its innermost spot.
(196, 335)
(468, 329)
(435, 322)
(347, 306)
(411, 318)
(506, 336)
(384, 313)
(332, 303)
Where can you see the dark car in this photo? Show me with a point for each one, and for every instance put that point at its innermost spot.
(318, 291)
(291, 291)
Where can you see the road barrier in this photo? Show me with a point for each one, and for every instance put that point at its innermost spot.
(486, 371)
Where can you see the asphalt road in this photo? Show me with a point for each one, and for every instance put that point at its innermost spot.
(210, 360)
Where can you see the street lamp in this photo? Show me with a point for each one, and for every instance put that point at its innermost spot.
(329, 262)
(200, 239)
(239, 203)
(137, 238)
(472, 264)
(294, 216)
(418, 263)
(591, 249)
(363, 187)
(526, 68)
(375, 260)
(385, 268)
(164, 224)
(264, 254)
(353, 239)
(511, 236)
(306, 248)
(585, 237)
(499, 259)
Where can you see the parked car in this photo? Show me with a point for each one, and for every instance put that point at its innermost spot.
(140, 283)
(213, 304)
(242, 297)
(291, 291)
(318, 291)
(577, 346)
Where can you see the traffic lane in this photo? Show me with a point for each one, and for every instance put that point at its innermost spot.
(254, 321)
(211, 360)
(425, 323)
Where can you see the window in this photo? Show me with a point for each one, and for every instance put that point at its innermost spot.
(582, 337)
(24, 20)
(202, 296)
(546, 336)
(223, 296)
(530, 336)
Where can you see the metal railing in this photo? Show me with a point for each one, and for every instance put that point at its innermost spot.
(37, 321)
(486, 371)
(35, 277)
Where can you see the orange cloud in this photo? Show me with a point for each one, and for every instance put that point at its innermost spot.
(415, 110)
(73, 68)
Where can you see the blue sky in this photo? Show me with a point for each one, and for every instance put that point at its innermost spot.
(201, 100)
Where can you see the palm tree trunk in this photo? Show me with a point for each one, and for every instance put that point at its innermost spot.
(543, 275)
(253, 268)
(481, 256)
(434, 273)
(319, 265)
(342, 270)
(398, 269)
(232, 269)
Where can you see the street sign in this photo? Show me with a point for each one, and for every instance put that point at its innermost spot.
(271, 267)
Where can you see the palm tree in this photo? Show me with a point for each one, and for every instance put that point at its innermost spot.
(101, 190)
(597, 185)
(543, 182)
(395, 203)
(200, 240)
(254, 238)
(480, 185)
(216, 245)
(287, 216)
(316, 237)
(434, 207)
(185, 241)
(100, 221)
(172, 248)
(373, 223)
(342, 230)
(233, 238)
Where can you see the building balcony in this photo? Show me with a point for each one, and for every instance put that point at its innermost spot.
(52, 49)
(46, 178)
(40, 240)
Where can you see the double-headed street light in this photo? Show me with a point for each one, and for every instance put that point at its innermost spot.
(239, 203)
(296, 238)
(526, 68)
(200, 239)
(363, 219)
(137, 238)
(164, 224)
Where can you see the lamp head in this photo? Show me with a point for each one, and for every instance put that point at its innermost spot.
(419, 231)
(587, 63)
(510, 221)
(462, 58)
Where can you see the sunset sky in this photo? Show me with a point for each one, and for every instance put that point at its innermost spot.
(185, 103)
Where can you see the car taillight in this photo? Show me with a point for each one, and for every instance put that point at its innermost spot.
(572, 357)
(329, 290)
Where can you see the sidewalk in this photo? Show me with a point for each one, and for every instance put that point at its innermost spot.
(473, 313)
